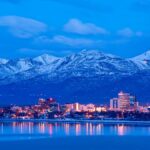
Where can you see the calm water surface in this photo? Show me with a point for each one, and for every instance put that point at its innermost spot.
(30, 130)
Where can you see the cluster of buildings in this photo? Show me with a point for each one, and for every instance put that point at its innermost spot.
(50, 108)
(126, 102)
(77, 107)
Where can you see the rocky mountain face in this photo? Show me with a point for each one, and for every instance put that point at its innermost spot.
(87, 76)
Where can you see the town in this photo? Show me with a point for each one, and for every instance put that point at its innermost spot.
(123, 107)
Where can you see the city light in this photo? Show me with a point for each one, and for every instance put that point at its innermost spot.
(125, 106)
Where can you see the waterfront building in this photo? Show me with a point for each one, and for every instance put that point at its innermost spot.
(123, 101)
(41, 101)
(114, 104)
(69, 107)
(83, 108)
(100, 109)
(148, 108)
(90, 108)
(76, 107)
(133, 103)
(51, 101)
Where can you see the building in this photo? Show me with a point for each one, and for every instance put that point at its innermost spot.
(51, 101)
(100, 109)
(69, 107)
(76, 107)
(90, 107)
(83, 108)
(148, 108)
(41, 101)
(123, 101)
(114, 104)
(133, 103)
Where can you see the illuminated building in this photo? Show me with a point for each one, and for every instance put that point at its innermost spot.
(90, 107)
(133, 103)
(83, 108)
(41, 101)
(69, 107)
(100, 109)
(51, 101)
(148, 108)
(54, 107)
(123, 101)
(114, 104)
(76, 107)
(49, 109)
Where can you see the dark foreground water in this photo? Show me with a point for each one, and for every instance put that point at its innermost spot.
(73, 136)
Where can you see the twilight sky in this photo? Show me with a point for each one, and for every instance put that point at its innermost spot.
(59, 27)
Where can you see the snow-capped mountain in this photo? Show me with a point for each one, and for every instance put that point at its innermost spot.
(87, 75)
(45, 59)
(143, 60)
(97, 63)
(85, 63)
(3, 61)
(142, 57)
(19, 66)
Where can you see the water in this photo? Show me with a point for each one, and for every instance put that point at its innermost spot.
(30, 130)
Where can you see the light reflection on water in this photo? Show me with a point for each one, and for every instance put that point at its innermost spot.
(30, 129)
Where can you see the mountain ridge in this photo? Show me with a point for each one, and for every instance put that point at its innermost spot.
(68, 77)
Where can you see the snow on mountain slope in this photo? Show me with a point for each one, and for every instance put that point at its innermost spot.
(24, 69)
(13, 67)
(143, 60)
(83, 64)
(144, 56)
(45, 59)
(87, 63)
(3, 61)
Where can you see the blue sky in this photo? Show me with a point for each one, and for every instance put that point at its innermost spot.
(60, 27)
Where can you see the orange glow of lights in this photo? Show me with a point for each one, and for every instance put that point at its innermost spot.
(67, 127)
(42, 127)
(30, 127)
(91, 129)
(50, 129)
(121, 130)
(99, 128)
(78, 129)
(87, 128)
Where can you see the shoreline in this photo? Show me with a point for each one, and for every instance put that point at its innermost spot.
(126, 122)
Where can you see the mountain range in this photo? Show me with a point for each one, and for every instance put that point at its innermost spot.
(87, 76)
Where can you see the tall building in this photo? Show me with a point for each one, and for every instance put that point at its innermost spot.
(114, 104)
(51, 101)
(133, 103)
(132, 100)
(42, 101)
(69, 107)
(76, 107)
(123, 101)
